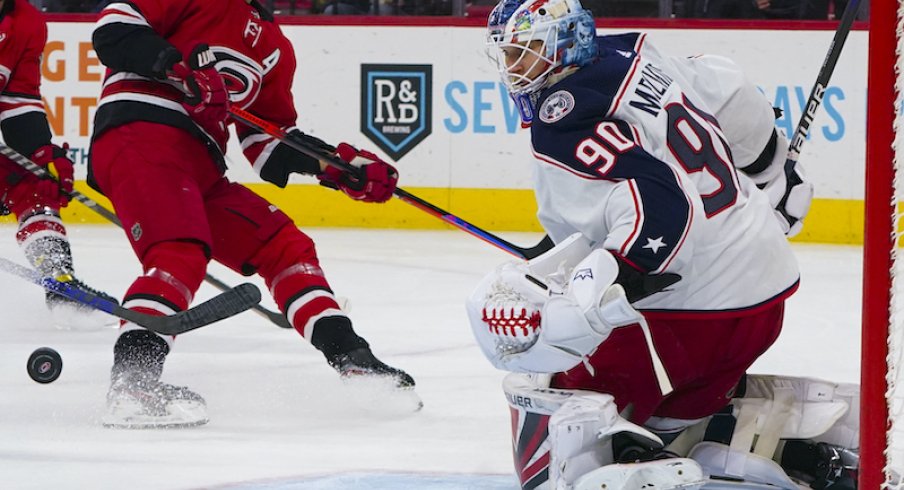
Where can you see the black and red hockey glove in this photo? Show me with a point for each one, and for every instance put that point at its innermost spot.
(56, 188)
(376, 179)
(206, 99)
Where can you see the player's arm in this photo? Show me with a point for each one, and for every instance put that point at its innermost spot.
(274, 161)
(127, 37)
(790, 193)
(759, 150)
(23, 120)
(646, 213)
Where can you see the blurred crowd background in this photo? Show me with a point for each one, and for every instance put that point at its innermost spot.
(705, 9)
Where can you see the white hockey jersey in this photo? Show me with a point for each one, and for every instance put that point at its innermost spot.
(637, 151)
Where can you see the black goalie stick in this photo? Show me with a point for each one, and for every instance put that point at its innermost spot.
(276, 318)
(303, 147)
(815, 100)
(222, 306)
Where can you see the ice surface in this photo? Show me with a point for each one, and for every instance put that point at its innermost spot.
(281, 418)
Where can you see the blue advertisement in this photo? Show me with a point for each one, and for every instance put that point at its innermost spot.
(484, 107)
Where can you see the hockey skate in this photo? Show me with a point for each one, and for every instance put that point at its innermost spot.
(70, 314)
(362, 363)
(375, 385)
(821, 465)
(145, 404)
(137, 398)
(51, 256)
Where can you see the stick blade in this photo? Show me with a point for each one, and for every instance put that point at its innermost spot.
(227, 304)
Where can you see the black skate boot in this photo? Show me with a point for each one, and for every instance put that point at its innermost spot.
(137, 399)
(75, 315)
(350, 354)
(821, 465)
(52, 257)
(361, 362)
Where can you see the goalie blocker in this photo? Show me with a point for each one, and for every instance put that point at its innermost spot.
(781, 426)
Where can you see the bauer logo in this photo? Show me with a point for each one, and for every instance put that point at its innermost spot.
(396, 106)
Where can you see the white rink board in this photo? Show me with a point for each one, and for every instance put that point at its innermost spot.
(475, 140)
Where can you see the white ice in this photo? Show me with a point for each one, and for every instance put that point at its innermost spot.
(280, 416)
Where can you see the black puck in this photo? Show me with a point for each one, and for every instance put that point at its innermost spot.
(45, 365)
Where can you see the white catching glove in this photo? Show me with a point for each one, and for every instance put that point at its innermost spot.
(522, 324)
(789, 193)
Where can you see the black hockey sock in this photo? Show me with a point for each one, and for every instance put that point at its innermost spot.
(139, 353)
(334, 335)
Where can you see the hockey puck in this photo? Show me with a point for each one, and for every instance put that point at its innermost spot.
(45, 365)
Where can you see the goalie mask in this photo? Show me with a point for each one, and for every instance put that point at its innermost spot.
(529, 41)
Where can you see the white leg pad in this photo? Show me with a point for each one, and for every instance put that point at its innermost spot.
(663, 474)
(580, 428)
(580, 433)
(721, 460)
(820, 410)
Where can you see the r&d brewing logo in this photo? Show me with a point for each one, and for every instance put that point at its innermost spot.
(396, 106)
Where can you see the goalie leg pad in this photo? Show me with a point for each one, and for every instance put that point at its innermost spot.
(663, 474)
(721, 460)
(560, 435)
(821, 410)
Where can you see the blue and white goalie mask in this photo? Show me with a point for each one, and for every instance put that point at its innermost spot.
(532, 40)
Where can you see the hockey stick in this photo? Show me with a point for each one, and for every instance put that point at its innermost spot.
(255, 122)
(39, 171)
(815, 100)
(224, 305)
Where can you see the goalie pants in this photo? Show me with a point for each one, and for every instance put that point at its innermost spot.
(178, 211)
(704, 356)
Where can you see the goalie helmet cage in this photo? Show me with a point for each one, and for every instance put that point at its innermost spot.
(882, 355)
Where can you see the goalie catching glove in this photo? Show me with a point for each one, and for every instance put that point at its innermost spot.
(523, 324)
(375, 180)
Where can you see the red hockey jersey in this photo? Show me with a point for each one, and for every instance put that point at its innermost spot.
(135, 40)
(23, 33)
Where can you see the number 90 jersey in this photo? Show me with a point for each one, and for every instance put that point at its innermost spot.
(638, 151)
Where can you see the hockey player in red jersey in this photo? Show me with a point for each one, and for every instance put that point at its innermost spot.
(174, 69)
(662, 182)
(34, 201)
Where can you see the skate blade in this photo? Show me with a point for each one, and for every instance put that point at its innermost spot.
(127, 415)
(79, 318)
(379, 394)
(153, 425)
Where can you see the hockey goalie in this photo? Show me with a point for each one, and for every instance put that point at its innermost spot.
(662, 182)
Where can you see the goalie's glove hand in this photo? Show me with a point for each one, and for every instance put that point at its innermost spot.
(206, 98)
(375, 181)
(790, 195)
(522, 324)
(56, 187)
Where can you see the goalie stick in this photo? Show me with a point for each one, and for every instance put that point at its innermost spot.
(224, 305)
(276, 318)
(814, 101)
(255, 122)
